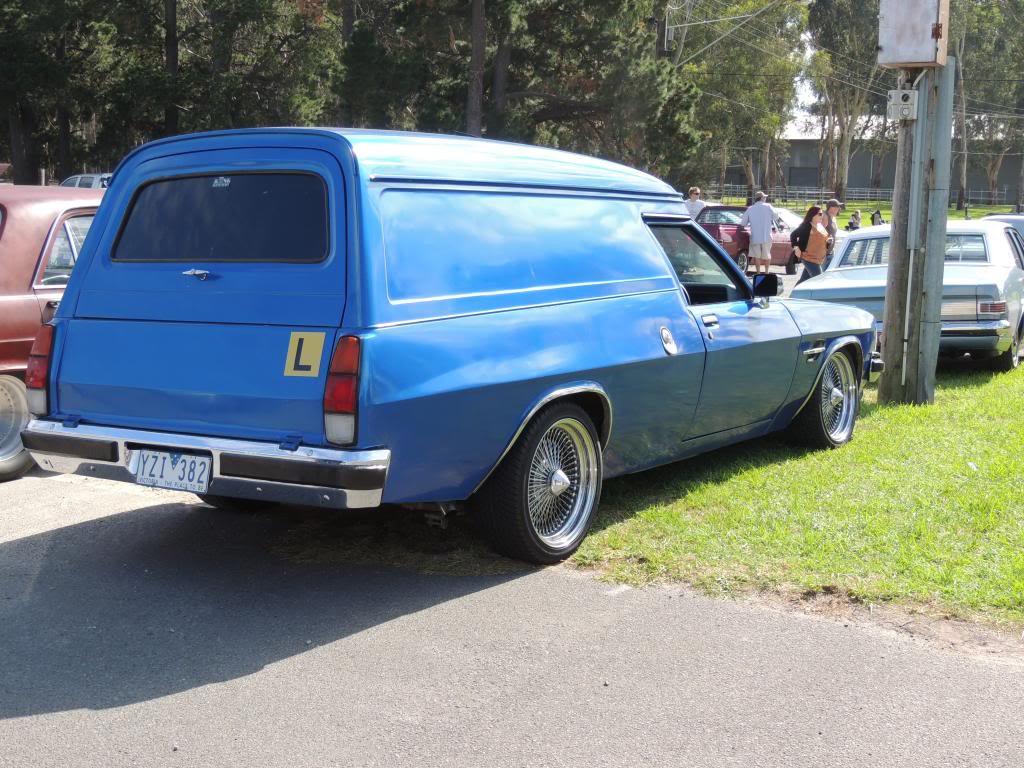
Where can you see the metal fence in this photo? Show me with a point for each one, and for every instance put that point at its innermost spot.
(818, 194)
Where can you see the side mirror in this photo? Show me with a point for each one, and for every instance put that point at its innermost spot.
(766, 286)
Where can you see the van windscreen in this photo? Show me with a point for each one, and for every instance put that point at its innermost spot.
(230, 217)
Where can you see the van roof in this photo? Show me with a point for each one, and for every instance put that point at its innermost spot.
(407, 156)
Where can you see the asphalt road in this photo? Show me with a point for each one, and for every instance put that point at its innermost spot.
(141, 628)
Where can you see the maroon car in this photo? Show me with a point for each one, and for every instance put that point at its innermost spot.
(722, 222)
(41, 230)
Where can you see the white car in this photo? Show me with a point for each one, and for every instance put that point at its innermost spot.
(88, 181)
(982, 286)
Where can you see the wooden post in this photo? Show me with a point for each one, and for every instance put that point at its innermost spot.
(917, 248)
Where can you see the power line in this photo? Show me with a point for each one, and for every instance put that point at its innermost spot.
(730, 31)
(877, 91)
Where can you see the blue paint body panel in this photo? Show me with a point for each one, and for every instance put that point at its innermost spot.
(480, 277)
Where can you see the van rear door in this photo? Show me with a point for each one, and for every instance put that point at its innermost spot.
(213, 299)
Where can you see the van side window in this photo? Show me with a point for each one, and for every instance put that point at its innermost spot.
(230, 217)
(705, 279)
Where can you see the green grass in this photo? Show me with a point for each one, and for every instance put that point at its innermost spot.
(867, 206)
(923, 508)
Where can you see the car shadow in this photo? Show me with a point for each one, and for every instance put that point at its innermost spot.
(168, 598)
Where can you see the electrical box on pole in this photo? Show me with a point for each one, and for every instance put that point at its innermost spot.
(912, 33)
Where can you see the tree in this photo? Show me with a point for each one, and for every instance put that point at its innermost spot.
(845, 35)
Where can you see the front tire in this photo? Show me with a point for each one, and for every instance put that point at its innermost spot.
(539, 503)
(15, 461)
(830, 415)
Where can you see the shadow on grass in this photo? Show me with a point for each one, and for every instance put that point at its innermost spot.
(623, 497)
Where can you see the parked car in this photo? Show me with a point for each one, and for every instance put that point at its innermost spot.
(345, 318)
(722, 222)
(41, 232)
(1016, 219)
(88, 181)
(983, 282)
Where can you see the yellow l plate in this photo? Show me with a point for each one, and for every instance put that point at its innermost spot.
(304, 352)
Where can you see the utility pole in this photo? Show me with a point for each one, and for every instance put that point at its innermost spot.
(912, 36)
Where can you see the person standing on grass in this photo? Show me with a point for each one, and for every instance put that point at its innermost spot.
(830, 221)
(760, 217)
(693, 202)
(810, 243)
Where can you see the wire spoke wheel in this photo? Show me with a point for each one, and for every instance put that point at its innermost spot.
(838, 397)
(562, 482)
(13, 416)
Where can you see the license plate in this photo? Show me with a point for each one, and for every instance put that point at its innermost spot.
(177, 471)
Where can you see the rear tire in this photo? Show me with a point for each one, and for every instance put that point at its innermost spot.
(231, 504)
(539, 503)
(1009, 359)
(742, 261)
(828, 418)
(15, 461)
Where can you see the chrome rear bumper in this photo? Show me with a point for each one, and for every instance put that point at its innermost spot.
(323, 477)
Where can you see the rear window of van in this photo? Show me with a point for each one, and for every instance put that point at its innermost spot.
(230, 217)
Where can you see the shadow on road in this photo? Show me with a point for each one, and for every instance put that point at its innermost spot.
(164, 599)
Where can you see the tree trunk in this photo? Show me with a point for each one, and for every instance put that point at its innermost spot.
(766, 167)
(723, 170)
(843, 152)
(499, 88)
(992, 169)
(475, 99)
(1020, 187)
(348, 19)
(24, 156)
(876, 172)
(171, 67)
(64, 166)
(748, 169)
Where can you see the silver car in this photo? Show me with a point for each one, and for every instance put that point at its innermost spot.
(983, 284)
(88, 181)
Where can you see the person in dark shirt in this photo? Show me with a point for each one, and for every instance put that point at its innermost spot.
(810, 243)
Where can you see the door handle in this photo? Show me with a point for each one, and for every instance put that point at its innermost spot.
(710, 321)
(202, 274)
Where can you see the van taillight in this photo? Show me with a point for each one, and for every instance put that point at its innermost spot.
(341, 396)
(37, 373)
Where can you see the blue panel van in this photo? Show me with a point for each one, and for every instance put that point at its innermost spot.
(347, 318)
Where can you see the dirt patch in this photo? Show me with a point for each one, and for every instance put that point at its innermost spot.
(924, 623)
(390, 536)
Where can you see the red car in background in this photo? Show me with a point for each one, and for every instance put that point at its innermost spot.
(722, 222)
(41, 230)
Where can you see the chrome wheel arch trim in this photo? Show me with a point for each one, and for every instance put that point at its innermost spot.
(558, 393)
(835, 346)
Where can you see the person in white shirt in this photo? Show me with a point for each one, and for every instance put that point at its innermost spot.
(760, 217)
(693, 202)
